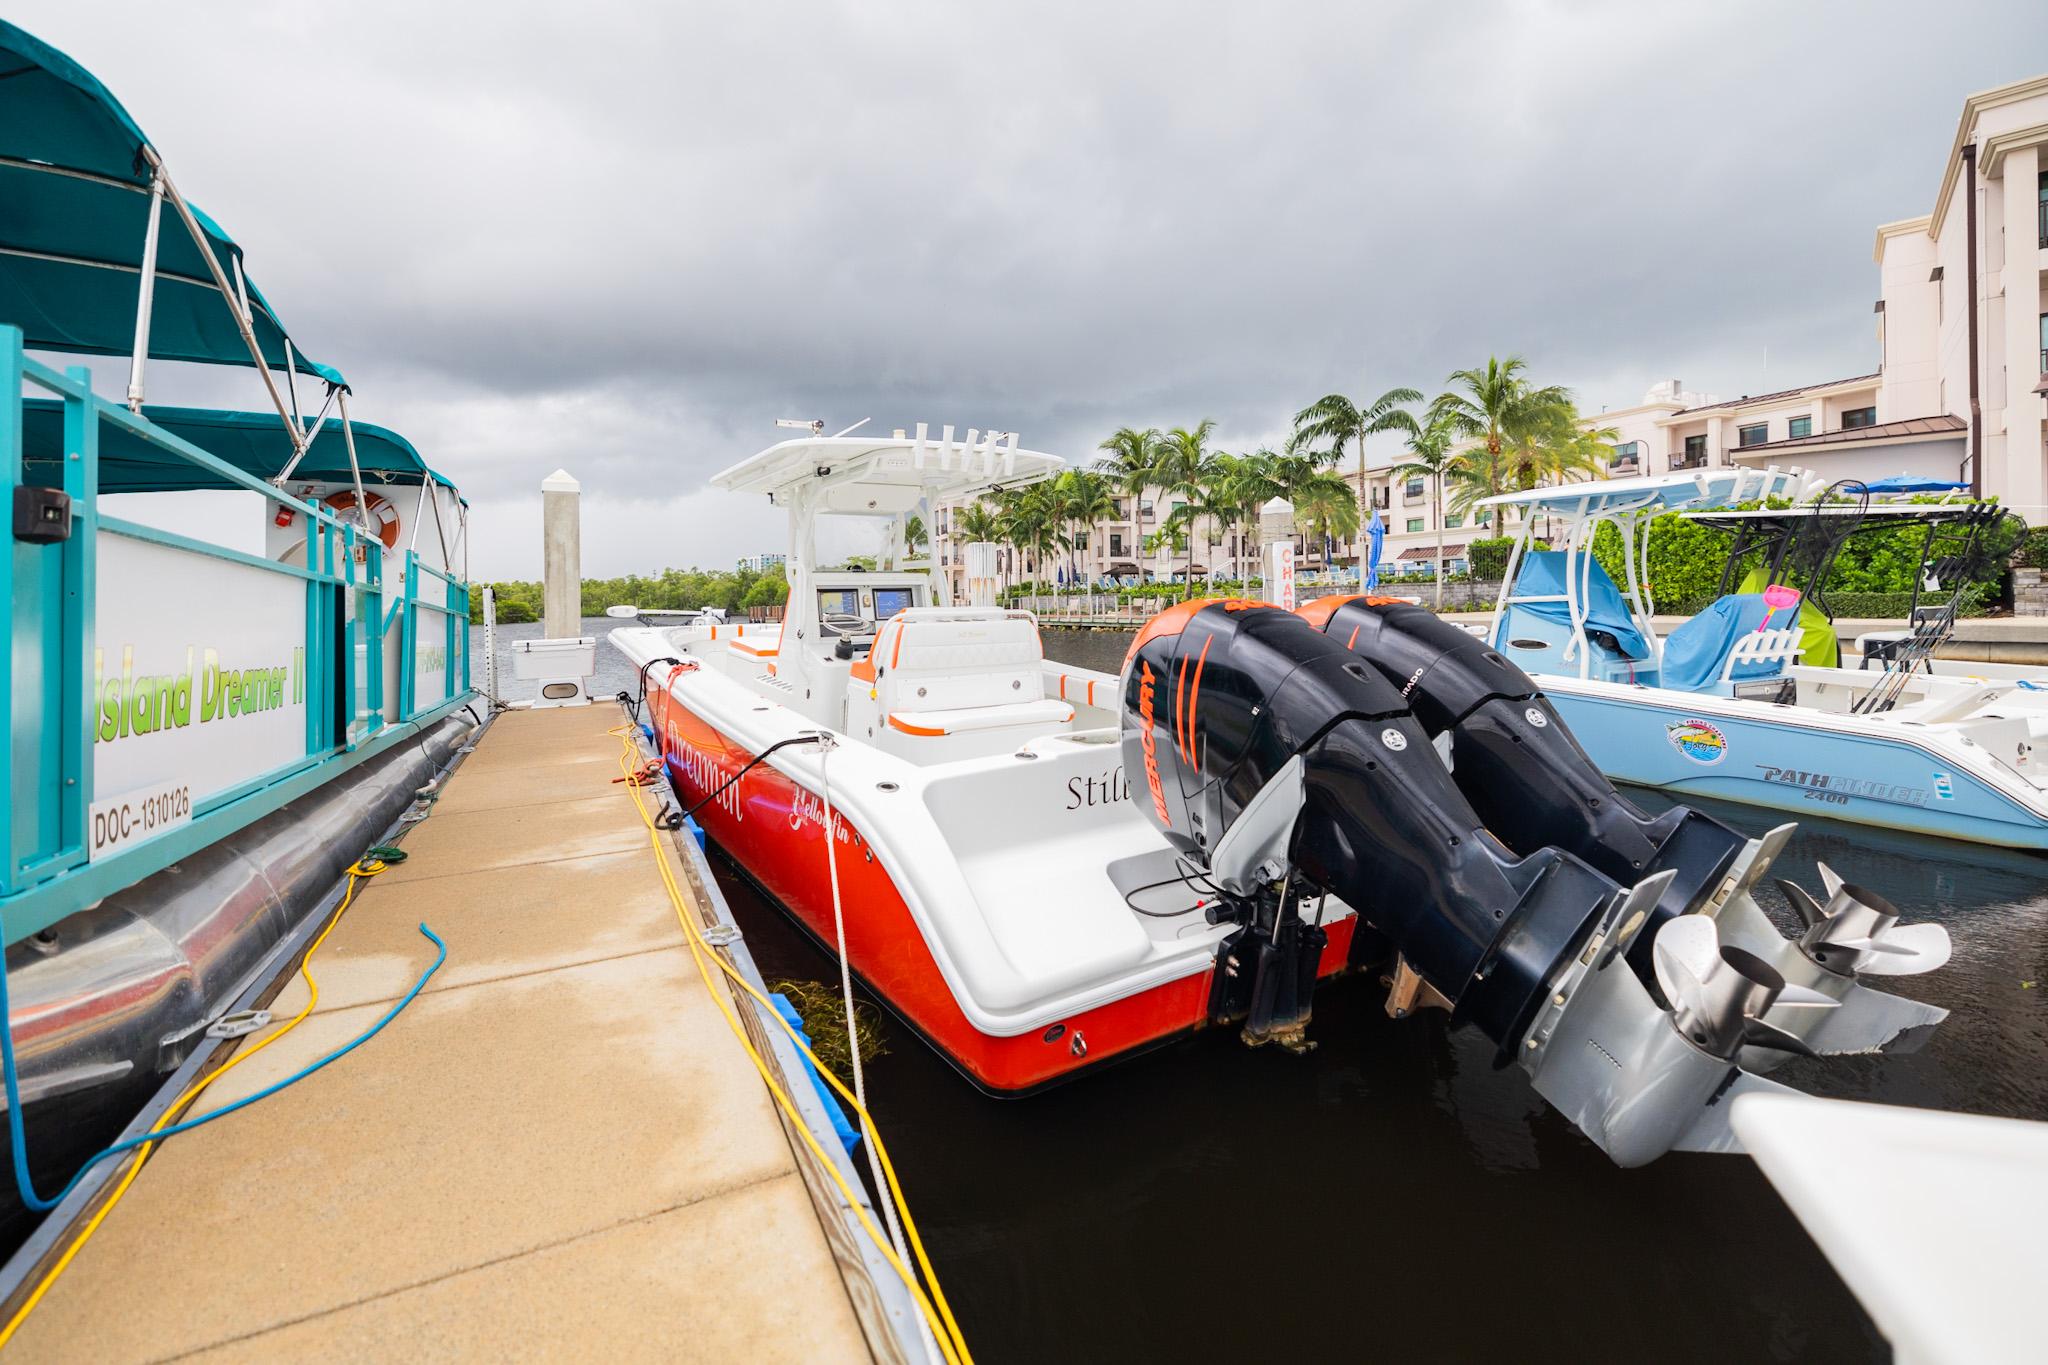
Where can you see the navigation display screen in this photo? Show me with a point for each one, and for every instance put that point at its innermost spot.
(889, 601)
(839, 602)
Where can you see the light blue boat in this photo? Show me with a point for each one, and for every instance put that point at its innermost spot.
(1728, 706)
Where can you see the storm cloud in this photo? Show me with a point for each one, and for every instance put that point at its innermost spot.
(624, 238)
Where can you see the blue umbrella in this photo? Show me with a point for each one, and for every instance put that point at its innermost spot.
(1376, 540)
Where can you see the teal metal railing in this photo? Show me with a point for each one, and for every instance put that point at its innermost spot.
(51, 694)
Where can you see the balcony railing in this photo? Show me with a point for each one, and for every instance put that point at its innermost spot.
(1689, 461)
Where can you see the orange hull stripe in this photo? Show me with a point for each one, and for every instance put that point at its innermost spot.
(1354, 637)
(897, 723)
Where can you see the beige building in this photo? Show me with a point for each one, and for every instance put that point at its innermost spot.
(1962, 348)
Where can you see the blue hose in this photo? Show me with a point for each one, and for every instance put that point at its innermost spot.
(14, 1116)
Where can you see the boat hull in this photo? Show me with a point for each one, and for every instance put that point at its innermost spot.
(1871, 777)
(773, 828)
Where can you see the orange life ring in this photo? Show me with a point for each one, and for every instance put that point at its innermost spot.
(379, 514)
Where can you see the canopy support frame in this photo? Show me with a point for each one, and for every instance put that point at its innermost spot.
(227, 292)
(145, 297)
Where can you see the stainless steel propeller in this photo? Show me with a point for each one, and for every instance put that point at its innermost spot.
(1720, 993)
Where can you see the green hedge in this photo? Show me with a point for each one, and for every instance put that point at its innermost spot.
(1894, 605)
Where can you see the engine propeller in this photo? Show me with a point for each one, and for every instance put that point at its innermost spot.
(1858, 931)
(1719, 994)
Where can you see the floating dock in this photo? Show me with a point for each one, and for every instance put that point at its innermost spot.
(559, 1149)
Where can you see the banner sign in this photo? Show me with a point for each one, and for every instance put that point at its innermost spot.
(1280, 574)
(196, 688)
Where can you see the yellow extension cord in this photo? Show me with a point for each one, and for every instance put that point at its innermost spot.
(937, 1312)
(357, 873)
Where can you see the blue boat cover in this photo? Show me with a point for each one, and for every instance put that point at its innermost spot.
(254, 442)
(74, 211)
(1695, 652)
(1543, 573)
(1912, 483)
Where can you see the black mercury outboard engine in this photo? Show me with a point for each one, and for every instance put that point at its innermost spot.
(1235, 697)
(1528, 779)
(1287, 768)
(1519, 765)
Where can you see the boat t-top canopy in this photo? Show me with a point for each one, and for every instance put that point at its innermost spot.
(887, 476)
(253, 442)
(81, 193)
(1652, 494)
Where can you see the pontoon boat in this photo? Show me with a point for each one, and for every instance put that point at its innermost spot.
(205, 736)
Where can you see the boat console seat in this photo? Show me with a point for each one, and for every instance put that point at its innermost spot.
(946, 670)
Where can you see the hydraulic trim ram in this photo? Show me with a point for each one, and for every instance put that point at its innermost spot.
(1285, 768)
(1533, 785)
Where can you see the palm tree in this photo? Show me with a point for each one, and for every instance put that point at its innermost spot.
(1431, 456)
(1132, 465)
(976, 521)
(1510, 418)
(1080, 498)
(914, 535)
(1336, 419)
(1325, 505)
(1186, 467)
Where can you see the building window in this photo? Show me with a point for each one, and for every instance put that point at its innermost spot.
(1695, 454)
(1116, 508)
(1116, 544)
(1626, 453)
(1755, 434)
(1412, 488)
(2043, 243)
(1798, 427)
(1415, 523)
(1453, 523)
(1859, 417)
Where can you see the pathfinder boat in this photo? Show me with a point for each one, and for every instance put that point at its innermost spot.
(206, 735)
(1043, 869)
(1746, 701)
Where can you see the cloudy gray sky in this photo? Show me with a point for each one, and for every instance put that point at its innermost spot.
(623, 238)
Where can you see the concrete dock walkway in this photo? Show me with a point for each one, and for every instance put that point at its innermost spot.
(558, 1150)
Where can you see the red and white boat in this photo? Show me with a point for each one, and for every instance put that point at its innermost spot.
(990, 855)
(1002, 882)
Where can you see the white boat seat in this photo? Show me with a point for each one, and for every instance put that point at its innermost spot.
(951, 670)
(1763, 647)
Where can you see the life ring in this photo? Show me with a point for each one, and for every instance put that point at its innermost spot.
(380, 516)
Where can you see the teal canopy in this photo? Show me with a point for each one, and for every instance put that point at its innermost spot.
(254, 442)
(74, 212)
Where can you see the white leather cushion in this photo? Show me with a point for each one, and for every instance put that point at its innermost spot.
(953, 665)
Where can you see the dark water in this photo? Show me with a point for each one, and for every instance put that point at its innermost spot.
(1390, 1195)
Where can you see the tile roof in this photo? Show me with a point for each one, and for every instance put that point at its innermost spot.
(1943, 425)
(1748, 398)
(1454, 550)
